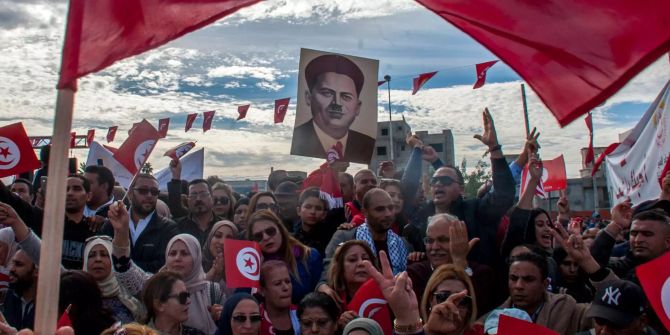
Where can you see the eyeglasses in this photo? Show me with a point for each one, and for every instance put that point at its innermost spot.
(441, 240)
(270, 232)
(221, 200)
(199, 195)
(272, 207)
(255, 318)
(444, 180)
(442, 296)
(182, 297)
(145, 191)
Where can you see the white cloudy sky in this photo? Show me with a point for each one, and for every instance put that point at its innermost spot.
(252, 57)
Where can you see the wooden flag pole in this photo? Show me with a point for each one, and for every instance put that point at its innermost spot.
(48, 283)
(525, 109)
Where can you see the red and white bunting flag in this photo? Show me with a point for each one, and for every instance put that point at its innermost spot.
(163, 126)
(242, 263)
(111, 132)
(554, 177)
(242, 111)
(381, 82)
(179, 150)
(16, 151)
(481, 73)
(369, 302)
(73, 139)
(135, 150)
(590, 156)
(189, 121)
(419, 81)
(208, 117)
(508, 325)
(537, 42)
(654, 278)
(139, 25)
(90, 136)
(281, 106)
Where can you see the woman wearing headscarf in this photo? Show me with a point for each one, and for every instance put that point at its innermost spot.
(98, 263)
(183, 256)
(368, 326)
(241, 316)
(212, 252)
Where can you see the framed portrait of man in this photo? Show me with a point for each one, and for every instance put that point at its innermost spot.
(336, 107)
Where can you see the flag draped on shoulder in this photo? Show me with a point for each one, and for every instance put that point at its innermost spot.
(574, 54)
(16, 151)
(102, 32)
(418, 82)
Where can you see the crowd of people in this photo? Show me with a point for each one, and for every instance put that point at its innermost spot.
(142, 261)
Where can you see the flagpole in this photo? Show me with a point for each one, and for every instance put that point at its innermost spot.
(525, 109)
(593, 177)
(48, 283)
(388, 85)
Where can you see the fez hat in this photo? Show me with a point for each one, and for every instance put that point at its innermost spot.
(337, 64)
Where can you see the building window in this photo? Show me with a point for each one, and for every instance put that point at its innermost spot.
(381, 151)
(385, 131)
(400, 129)
(437, 146)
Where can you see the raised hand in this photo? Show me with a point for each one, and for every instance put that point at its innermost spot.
(413, 140)
(118, 217)
(622, 214)
(428, 154)
(489, 137)
(386, 169)
(459, 246)
(8, 216)
(443, 316)
(175, 169)
(396, 290)
(575, 248)
(531, 145)
(535, 167)
(563, 206)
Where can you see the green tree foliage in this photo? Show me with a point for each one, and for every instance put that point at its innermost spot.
(475, 178)
(147, 168)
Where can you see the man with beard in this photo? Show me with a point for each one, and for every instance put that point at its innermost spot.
(364, 180)
(19, 306)
(102, 182)
(149, 232)
(77, 227)
(200, 218)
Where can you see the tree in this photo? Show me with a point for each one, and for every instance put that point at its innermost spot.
(147, 168)
(475, 179)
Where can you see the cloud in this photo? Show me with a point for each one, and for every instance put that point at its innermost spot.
(258, 72)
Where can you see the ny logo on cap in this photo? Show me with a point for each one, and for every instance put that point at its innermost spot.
(612, 295)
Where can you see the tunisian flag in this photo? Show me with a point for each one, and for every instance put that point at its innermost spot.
(281, 106)
(369, 302)
(163, 126)
(419, 81)
(481, 73)
(508, 325)
(180, 150)
(90, 136)
(242, 263)
(655, 280)
(574, 54)
(554, 177)
(610, 148)
(111, 132)
(208, 117)
(589, 153)
(326, 179)
(16, 151)
(135, 151)
(189, 121)
(101, 32)
(242, 111)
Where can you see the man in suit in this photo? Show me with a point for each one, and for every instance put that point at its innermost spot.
(334, 84)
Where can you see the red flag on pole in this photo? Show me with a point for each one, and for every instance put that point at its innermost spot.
(16, 151)
(135, 150)
(90, 136)
(655, 280)
(554, 177)
(588, 158)
(369, 302)
(481, 73)
(281, 106)
(102, 32)
(242, 262)
(111, 132)
(537, 39)
(610, 148)
(242, 111)
(419, 81)
(189, 121)
(73, 139)
(208, 117)
(180, 150)
(163, 126)
(508, 325)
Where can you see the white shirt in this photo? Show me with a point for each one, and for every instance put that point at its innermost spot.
(328, 142)
(88, 212)
(135, 232)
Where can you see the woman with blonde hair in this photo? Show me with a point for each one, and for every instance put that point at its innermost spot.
(224, 201)
(347, 271)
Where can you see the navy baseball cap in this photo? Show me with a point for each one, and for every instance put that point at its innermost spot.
(619, 303)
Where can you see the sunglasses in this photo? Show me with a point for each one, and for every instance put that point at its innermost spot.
(272, 207)
(442, 296)
(256, 318)
(221, 200)
(272, 231)
(182, 297)
(145, 191)
(444, 180)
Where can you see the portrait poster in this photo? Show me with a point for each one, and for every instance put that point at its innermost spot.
(336, 107)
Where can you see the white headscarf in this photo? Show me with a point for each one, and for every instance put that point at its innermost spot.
(7, 237)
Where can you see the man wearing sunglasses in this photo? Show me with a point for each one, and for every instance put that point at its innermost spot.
(149, 232)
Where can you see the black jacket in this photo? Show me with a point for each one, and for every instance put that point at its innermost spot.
(30, 214)
(14, 313)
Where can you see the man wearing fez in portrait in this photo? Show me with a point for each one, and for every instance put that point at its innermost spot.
(334, 84)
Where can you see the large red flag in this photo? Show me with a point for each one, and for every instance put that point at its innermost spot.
(135, 150)
(369, 302)
(419, 81)
(281, 106)
(189, 121)
(103, 31)
(16, 151)
(179, 150)
(590, 156)
(163, 126)
(208, 117)
(574, 54)
(481, 73)
(610, 148)
(508, 325)
(90, 136)
(554, 177)
(242, 263)
(242, 111)
(111, 132)
(655, 280)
